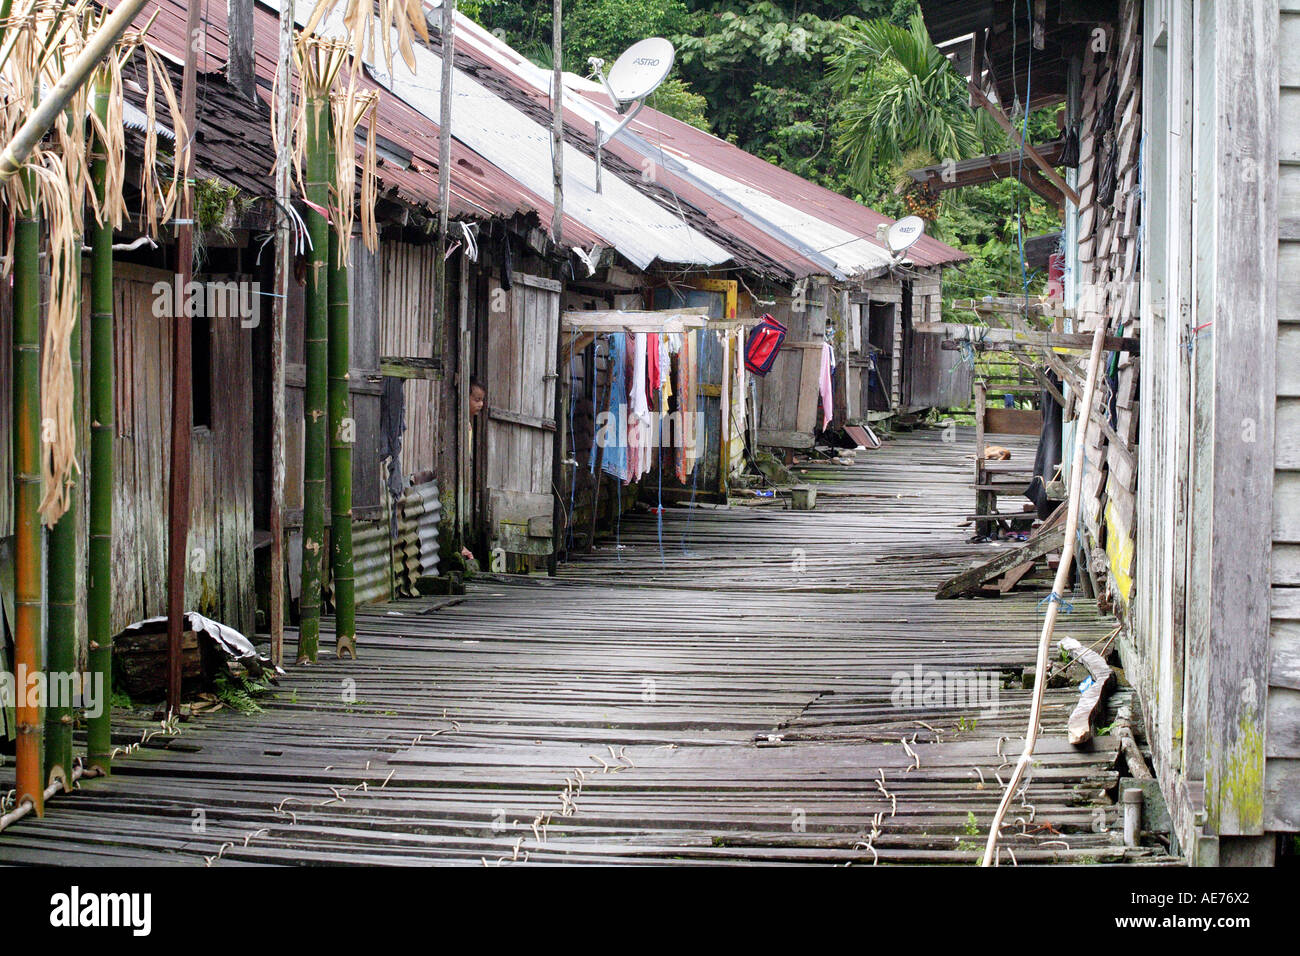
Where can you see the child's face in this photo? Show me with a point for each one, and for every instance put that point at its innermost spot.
(476, 397)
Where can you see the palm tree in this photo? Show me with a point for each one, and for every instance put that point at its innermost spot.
(903, 101)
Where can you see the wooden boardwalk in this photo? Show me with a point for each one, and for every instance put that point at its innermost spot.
(726, 699)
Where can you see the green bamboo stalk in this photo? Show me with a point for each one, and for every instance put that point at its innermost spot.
(341, 571)
(316, 358)
(99, 584)
(28, 545)
(62, 586)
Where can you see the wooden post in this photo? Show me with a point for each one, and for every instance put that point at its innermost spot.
(557, 119)
(99, 580)
(239, 56)
(1242, 268)
(448, 37)
(558, 511)
(178, 484)
(283, 277)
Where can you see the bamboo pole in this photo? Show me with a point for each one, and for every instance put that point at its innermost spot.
(28, 544)
(61, 637)
(1058, 590)
(341, 570)
(316, 359)
(99, 585)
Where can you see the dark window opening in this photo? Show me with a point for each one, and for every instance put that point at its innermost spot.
(201, 361)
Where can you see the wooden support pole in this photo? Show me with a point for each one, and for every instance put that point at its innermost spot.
(444, 155)
(178, 483)
(558, 511)
(557, 119)
(239, 53)
(1075, 500)
(283, 277)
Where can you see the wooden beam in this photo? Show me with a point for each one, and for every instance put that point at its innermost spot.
(971, 580)
(987, 339)
(671, 320)
(1048, 170)
(516, 418)
(394, 366)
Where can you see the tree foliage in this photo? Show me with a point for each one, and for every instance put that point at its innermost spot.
(901, 98)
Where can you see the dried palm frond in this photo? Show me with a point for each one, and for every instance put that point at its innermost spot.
(40, 39)
(362, 18)
(157, 202)
(349, 110)
(59, 434)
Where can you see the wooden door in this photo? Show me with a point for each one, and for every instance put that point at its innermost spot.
(878, 376)
(523, 329)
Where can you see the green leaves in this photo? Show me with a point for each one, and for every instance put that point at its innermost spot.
(902, 97)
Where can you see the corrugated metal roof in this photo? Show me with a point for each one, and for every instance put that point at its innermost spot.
(708, 204)
(235, 141)
(814, 229)
(641, 230)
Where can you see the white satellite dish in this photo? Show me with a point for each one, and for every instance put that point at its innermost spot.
(639, 71)
(634, 76)
(903, 233)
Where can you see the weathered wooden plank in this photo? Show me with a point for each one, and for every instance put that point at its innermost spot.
(1035, 548)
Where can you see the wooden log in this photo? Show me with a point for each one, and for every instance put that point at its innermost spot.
(970, 580)
(1079, 726)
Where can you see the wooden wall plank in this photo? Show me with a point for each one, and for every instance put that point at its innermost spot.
(1244, 339)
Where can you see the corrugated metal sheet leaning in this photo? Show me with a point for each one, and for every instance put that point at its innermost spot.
(415, 553)
(385, 566)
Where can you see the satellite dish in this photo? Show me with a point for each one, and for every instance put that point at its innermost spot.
(903, 233)
(634, 76)
(639, 71)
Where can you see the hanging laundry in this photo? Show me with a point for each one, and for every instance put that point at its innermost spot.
(639, 432)
(611, 433)
(828, 397)
(686, 375)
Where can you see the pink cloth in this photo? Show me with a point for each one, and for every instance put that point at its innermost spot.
(828, 396)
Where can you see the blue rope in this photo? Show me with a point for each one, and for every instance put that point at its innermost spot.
(1066, 606)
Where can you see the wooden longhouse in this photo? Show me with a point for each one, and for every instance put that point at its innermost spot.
(671, 225)
(1180, 231)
